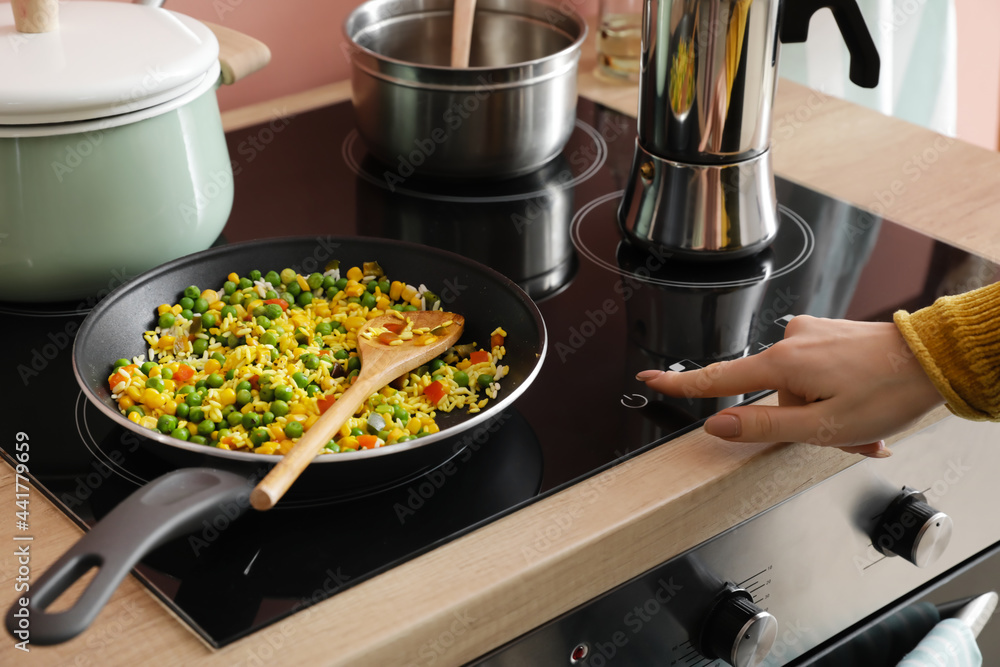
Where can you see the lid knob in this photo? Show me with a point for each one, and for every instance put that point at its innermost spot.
(36, 15)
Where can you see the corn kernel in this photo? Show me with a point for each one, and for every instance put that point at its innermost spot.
(432, 428)
(169, 385)
(322, 310)
(277, 433)
(266, 448)
(373, 313)
(210, 295)
(354, 323)
(176, 310)
(297, 416)
(233, 278)
(125, 402)
(135, 393)
(354, 289)
(296, 410)
(170, 407)
(463, 364)
(413, 426)
(227, 396)
(285, 447)
(215, 414)
(303, 283)
(212, 365)
(148, 421)
(349, 442)
(153, 398)
(345, 430)
(216, 305)
(395, 289)
(416, 301)
(310, 421)
(134, 417)
(383, 303)
(165, 343)
(163, 308)
(396, 434)
(354, 273)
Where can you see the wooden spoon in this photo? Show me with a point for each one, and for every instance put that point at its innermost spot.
(461, 32)
(381, 363)
(35, 16)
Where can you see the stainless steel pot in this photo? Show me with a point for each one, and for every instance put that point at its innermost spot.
(508, 114)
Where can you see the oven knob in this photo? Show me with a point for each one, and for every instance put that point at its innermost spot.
(911, 528)
(737, 630)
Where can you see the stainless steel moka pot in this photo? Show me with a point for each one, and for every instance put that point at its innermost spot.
(701, 184)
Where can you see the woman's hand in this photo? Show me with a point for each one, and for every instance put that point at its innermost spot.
(840, 383)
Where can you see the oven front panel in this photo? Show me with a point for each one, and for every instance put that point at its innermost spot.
(811, 562)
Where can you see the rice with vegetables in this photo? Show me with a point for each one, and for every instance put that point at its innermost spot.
(252, 366)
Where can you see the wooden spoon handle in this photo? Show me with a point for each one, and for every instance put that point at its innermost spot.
(274, 485)
(240, 55)
(461, 32)
(35, 16)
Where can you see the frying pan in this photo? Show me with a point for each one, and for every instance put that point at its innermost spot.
(214, 483)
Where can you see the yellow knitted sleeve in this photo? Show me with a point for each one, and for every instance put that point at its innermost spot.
(957, 341)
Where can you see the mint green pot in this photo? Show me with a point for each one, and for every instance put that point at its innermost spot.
(82, 212)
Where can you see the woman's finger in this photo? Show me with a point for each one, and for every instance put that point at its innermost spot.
(760, 423)
(875, 450)
(724, 378)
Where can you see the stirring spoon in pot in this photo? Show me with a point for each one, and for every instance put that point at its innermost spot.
(385, 355)
(461, 32)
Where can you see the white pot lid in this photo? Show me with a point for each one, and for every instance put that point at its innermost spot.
(105, 59)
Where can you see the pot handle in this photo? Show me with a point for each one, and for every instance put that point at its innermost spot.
(168, 507)
(240, 55)
(865, 63)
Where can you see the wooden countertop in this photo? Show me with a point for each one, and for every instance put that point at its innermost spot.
(471, 595)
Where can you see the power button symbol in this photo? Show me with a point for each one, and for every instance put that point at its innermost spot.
(634, 400)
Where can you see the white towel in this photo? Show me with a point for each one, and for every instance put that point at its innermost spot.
(950, 644)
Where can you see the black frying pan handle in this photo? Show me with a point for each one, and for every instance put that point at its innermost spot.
(172, 505)
(865, 61)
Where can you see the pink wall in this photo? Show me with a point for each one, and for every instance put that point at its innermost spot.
(305, 40)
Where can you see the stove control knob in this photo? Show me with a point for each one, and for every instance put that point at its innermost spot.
(911, 528)
(737, 630)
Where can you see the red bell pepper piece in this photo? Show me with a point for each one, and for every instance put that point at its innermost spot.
(387, 337)
(183, 373)
(395, 327)
(367, 441)
(434, 391)
(280, 302)
(324, 403)
(479, 356)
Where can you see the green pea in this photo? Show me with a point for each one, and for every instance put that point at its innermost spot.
(243, 397)
(284, 393)
(193, 399)
(166, 320)
(182, 410)
(279, 408)
(266, 394)
(201, 385)
(267, 417)
(409, 308)
(254, 275)
(166, 373)
(186, 303)
(273, 311)
(196, 414)
(272, 277)
(121, 362)
(304, 299)
(192, 292)
(310, 361)
(368, 300)
(484, 380)
(300, 379)
(136, 408)
(209, 320)
(229, 287)
(404, 438)
(250, 421)
(287, 276)
(371, 286)
(243, 385)
(354, 300)
(232, 340)
(234, 418)
(236, 298)
(166, 424)
(245, 283)
(230, 374)
(270, 294)
(354, 363)
(227, 311)
(383, 286)
(199, 346)
(357, 431)
(268, 338)
(324, 328)
(259, 436)
(312, 389)
(383, 408)
(215, 380)
(187, 314)
(146, 367)
(294, 289)
(437, 376)
(399, 413)
(228, 410)
(186, 389)
(263, 322)
(155, 383)
(314, 280)
(180, 433)
(199, 439)
(329, 282)
(436, 365)
(206, 427)
(223, 432)
(293, 429)
(461, 378)
(200, 305)
(333, 447)
(341, 354)
(218, 356)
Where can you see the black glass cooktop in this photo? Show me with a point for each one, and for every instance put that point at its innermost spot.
(609, 309)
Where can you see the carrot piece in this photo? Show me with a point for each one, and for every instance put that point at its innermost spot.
(479, 356)
(434, 391)
(367, 441)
